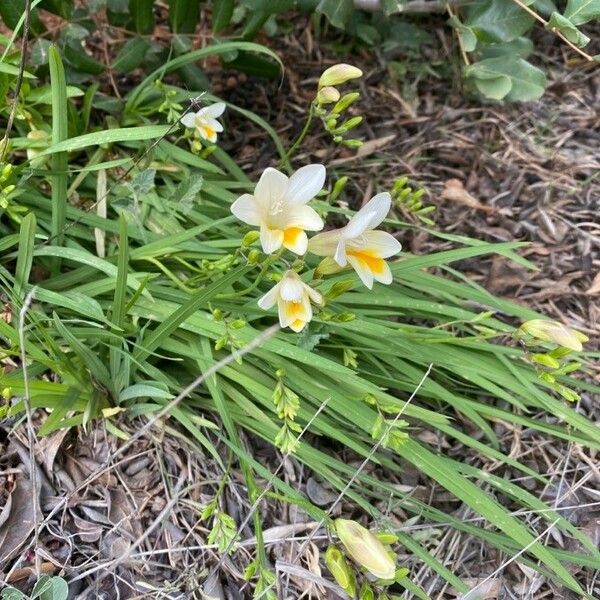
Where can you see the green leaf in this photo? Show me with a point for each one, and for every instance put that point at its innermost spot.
(507, 78)
(60, 164)
(568, 29)
(521, 46)
(183, 15)
(75, 54)
(497, 20)
(39, 52)
(339, 12)
(582, 11)
(142, 15)
(50, 588)
(12, 70)
(468, 39)
(144, 390)
(110, 136)
(24, 257)
(221, 14)
(131, 55)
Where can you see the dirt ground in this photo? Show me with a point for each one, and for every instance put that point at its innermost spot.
(499, 173)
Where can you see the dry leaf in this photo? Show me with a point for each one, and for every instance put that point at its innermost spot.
(595, 287)
(454, 190)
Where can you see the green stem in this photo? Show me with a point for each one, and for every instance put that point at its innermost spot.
(268, 262)
(300, 138)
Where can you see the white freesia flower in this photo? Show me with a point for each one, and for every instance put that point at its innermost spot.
(293, 298)
(278, 207)
(205, 121)
(358, 244)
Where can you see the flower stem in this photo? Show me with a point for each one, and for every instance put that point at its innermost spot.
(300, 138)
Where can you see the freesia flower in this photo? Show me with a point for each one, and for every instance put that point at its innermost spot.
(359, 244)
(338, 74)
(205, 121)
(278, 207)
(554, 331)
(293, 298)
(365, 548)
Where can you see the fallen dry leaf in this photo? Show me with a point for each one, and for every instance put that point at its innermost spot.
(455, 191)
(595, 287)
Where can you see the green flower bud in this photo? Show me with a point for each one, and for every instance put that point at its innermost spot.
(250, 238)
(327, 95)
(546, 360)
(340, 569)
(344, 102)
(330, 123)
(237, 324)
(217, 314)
(253, 256)
(365, 548)
(353, 143)
(220, 343)
(338, 188)
(346, 317)
(327, 266)
(352, 123)
(366, 592)
(339, 74)
(339, 288)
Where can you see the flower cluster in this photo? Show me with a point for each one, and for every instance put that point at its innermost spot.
(279, 208)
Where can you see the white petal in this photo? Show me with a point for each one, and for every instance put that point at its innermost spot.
(340, 256)
(270, 188)
(304, 217)
(270, 239)
(386, 277)
(365, 274)
(214, 125)
(382, 243)
(269, 299)
(293, 311)
(297, 326)
(189, 119)
(358, 224)
(314, 295)
(380, 205)
(247, 210)
(324, 244)
(292, 288)
(305, 184)
(295, 240)
(214, 110)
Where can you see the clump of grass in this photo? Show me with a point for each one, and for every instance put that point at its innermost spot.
(176, 291)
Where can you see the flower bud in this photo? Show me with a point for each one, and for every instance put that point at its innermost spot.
(340, 569)
(220, 343)
(237, 324)
(553, 331)
(365, 548)
(345, 101)
(327, 95)
(545, 360)
(250, 238)
(338, 74)
(339, 288)
(351, 123)
(366, 592)
(327, 266)
(253, 256)
(338, 188)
